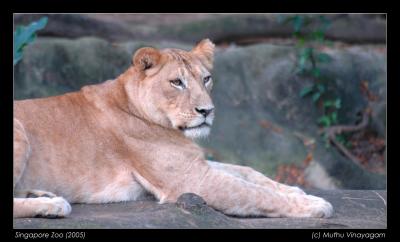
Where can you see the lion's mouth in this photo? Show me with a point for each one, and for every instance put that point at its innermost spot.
(202, 125)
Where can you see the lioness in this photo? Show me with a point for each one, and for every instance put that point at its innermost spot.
(115, 141)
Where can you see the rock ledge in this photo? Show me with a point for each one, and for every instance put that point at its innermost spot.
(353, 209)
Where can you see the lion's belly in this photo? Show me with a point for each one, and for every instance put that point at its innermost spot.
(90, 185)
(122, 187)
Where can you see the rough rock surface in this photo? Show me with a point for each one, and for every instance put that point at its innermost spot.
(222, 28)
(353, 209)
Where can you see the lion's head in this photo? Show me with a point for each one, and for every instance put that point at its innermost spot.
(174, 87)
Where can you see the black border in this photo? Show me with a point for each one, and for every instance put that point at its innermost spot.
(6, 100)
(282, 6)
(393, 91)
(203, 6)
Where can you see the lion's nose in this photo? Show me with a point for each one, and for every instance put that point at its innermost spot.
(204, 111)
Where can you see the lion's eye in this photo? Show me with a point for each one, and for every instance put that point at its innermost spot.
(177, 83)
(206, 79)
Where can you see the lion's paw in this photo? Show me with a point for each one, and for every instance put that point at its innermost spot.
(320, 208)
(53, 207)
(309, 206)
(296, 190)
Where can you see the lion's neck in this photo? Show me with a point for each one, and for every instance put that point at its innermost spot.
(112, 98)
(118, 96)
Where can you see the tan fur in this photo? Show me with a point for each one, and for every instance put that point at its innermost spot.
(116, 140)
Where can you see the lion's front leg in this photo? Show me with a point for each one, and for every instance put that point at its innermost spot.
(253, 176)
(228, 193)
(236, 196)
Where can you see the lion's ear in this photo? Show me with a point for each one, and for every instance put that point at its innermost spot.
(205, 51)
(146, 58)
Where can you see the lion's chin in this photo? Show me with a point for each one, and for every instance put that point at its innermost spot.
(196, 133)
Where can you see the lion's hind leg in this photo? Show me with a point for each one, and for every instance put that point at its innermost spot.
(32, 203)
(21, 150)
(46, 207)
(37, 203)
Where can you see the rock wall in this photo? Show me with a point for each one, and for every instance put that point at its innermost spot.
(350, 28)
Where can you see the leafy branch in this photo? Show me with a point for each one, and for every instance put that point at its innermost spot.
(25, 35)
(309, 32)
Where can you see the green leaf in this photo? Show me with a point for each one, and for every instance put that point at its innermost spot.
(302, 64)
(306, 90)
(25, 35)
(316, 96)
(316, 72)
(307, 20)
(321, 88)
(318, 35)
(297, 23)
(301, 41)
(325, 23)
(338, 103)
(323, 57)
(343, 140)
(304, 56)
(324, 120)
(334, 117)
(307, 51)
(328, 103)
(17, 57)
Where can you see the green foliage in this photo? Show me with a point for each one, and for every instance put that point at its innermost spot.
(303, 59)
(342, 138)
(25, 35)
(323, 57)
(297, 23)
(333, 103)
(321, 88)
(309, 32)
(325, 121)
(306, 90)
